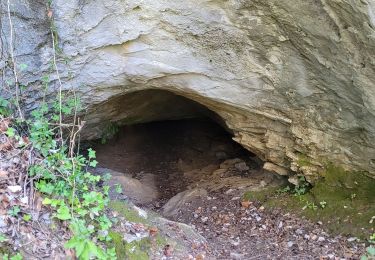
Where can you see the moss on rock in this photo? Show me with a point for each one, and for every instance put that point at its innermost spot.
(126, 211)
(344, 201)
(136, 250)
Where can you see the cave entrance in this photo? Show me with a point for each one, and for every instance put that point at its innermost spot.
(170, 144)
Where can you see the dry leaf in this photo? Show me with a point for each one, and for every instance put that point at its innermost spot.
(246, 204)
(3, 174)
(25, 139)
(199, 257)
(153, 231)
(4, 202)
(38, 202)
(168, 250)
(6, 146)
(25, 200)
(4, 125)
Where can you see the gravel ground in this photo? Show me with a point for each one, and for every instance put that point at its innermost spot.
(245, 230)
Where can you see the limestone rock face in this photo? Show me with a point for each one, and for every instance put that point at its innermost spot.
(294, 80)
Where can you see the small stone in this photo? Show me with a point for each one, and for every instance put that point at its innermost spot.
(299, 231)
(221, 155)
(204, 219)
(280, 225)
(290, 243)
(307, 237)
(236, 198)
(320, 223)
(241, 166)
(2, 222)
(229, 191)
(141, 212)
(196, 215)
(352, 239)
(314, 237)
(264, 226)
(261, 208)
(46, 217)
(258, 218)
(321, 239)
(236, 256)
(14, 189)
(16, 160)
(293, 180)
(24, 200)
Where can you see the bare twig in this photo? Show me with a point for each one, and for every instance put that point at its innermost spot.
(59, 81)
(14, 61)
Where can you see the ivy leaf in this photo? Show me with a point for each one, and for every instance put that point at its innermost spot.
(18, 256)
(45, 187)
(107, 177)
(63, 213)
(10, 132)
(3, 238)
(46, 201)
(55, 117)
(92, 153)
(26, 217)
(93, 163)
(371, 251)
(23, 66)
(118, 188)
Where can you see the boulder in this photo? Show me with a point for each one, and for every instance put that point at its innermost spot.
(179, 200)
(135, 190)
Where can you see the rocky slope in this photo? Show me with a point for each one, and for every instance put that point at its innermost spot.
(292, 79)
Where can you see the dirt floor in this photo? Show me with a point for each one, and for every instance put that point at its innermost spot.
(175, 156)
(162, 152)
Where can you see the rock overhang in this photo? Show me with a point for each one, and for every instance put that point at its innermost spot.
(293, 80)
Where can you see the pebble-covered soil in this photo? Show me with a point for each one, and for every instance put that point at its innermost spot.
(246, 230)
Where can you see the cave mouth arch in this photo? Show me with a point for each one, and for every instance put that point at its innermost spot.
(171, 142)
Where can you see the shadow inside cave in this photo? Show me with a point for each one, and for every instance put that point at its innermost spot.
(173, 144)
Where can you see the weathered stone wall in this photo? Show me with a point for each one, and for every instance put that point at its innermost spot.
(293, 79)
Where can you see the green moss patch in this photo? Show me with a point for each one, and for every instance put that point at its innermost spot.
(126, 211)
(303, 160)
(136, 250)
(262, 195)
(344, 201)
(119, 244)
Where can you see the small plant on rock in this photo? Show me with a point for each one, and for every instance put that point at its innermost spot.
(302, 187)
(323, 204)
